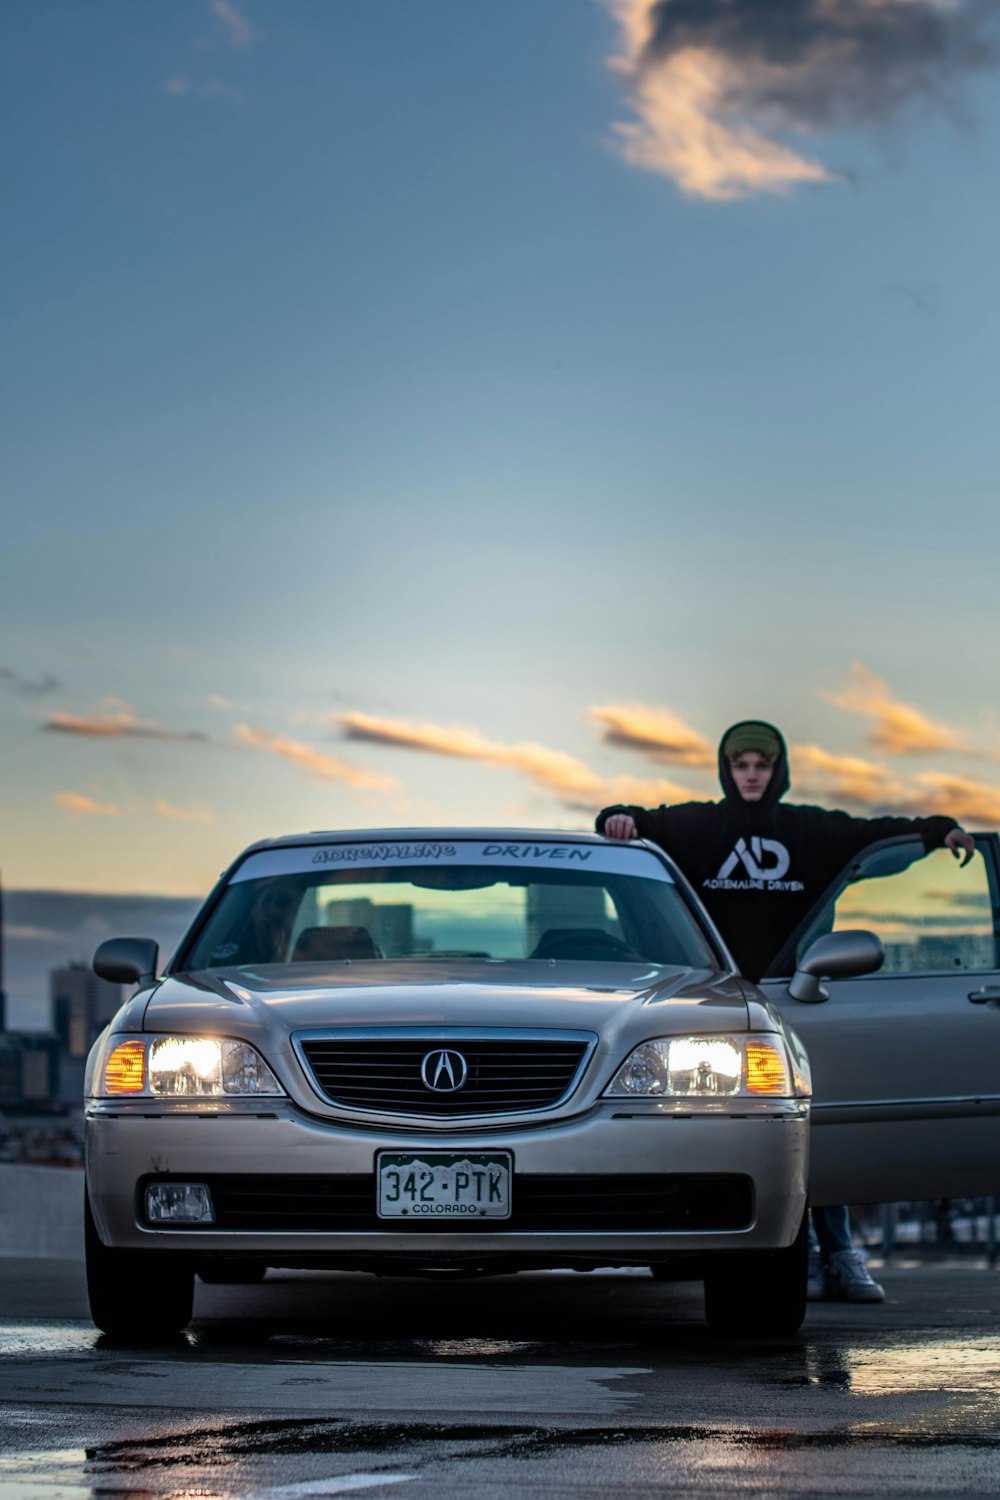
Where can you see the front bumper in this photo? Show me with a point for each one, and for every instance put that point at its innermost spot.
(129, 1144)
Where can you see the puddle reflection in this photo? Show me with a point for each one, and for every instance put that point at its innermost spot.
(951, 1364)
(47, 1338)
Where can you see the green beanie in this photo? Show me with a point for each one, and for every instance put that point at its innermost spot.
(751, 737)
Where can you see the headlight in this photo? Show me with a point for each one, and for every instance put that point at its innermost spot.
(186, 1067)
(714, 1067)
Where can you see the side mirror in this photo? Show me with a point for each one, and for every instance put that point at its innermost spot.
(127, 960)
(838, 955)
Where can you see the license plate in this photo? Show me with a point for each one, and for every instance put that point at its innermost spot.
(440, 1185)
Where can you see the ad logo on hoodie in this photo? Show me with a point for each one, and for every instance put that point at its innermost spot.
(765, 864)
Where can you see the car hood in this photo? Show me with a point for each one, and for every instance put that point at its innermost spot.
(618, 1005)
(656, 1000)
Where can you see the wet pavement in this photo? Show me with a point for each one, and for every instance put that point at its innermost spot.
(538, 1385)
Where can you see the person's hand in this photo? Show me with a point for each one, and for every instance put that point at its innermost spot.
(621, 826)
(956, 841)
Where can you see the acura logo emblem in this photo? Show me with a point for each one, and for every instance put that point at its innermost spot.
(444, 1071)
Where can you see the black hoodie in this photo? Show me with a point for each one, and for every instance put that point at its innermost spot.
(760, 866)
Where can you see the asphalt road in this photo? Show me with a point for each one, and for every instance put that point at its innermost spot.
(540, 1385)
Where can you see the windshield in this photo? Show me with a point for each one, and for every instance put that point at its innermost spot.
(502, 900)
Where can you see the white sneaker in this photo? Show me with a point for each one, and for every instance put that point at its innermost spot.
(816, 1284)
(847, 1278)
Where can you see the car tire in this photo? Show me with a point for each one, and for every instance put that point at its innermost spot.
(139, 1295)
(761, 1294)
(232, 1273)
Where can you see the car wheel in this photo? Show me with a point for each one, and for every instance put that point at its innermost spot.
(760, 1294)
(136, 1294)
(232, 1272)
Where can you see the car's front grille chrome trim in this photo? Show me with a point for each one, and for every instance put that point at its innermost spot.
(444, 1073)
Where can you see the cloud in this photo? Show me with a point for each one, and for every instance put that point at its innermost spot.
(718, 85)
(924, 299)
(911, 925)
(119, 724)
(973, 803)
(656, 732)
(180, 84)
(851, 779)
(574, 783)
(80, 806)
(238, 30)
(183, 815)
(315, 762)
(217, 701)
(30, 687)
(972, 901)
(899, 729)
(848, 777)
(549, 768)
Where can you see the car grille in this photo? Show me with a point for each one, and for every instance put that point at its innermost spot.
(506, 1074)
(584, 1204)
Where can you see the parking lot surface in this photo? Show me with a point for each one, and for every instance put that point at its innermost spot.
(552, 1384)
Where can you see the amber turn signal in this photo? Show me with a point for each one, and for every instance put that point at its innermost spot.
(767, 1072)
(125, 1069)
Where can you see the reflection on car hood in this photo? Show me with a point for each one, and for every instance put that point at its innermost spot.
(620, 998)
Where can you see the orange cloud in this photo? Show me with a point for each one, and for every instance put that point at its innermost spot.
(862, 782)
(314, 762)
(80, 806)
(574, 783)
(183, 815)
(899, 728)
(549, 768)
(719, 87)
(656, 732)
(850, 777)
(973, 803)
(120, 724)
(686, 130)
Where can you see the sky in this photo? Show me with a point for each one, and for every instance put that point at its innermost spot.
(434, 413)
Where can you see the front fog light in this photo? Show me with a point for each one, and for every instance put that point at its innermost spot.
(179, 1203)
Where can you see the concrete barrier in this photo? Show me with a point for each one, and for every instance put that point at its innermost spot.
(41, 1211)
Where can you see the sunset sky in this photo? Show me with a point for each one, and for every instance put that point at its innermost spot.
(461, 413)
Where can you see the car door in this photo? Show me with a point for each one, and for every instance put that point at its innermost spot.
(906, 1062)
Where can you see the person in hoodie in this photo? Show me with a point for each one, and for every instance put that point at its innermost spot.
(759, 865)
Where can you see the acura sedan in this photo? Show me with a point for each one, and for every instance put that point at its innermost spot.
(468, 1050)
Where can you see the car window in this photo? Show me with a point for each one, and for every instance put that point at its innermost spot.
(397, 911)
(931, 913)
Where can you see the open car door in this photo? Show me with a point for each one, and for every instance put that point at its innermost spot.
(906, 1062)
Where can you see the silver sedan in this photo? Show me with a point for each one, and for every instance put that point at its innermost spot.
(481, 1051)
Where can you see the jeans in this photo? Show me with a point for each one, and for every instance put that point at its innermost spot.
(830, 1230)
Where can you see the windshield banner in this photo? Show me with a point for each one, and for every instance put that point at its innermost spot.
(603, 859)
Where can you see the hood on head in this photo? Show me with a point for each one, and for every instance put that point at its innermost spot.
(779, 783)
